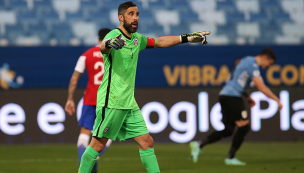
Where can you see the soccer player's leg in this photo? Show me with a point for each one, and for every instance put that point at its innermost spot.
(135, 127)
(106, 147)
(242, 122)
(108, 123)
(86, 123)
(83, 141)
(196, 147)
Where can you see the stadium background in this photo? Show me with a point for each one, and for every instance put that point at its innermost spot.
(176, 88)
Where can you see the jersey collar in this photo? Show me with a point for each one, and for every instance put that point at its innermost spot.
(124, 34)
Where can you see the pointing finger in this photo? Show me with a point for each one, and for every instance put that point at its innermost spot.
(205, 33)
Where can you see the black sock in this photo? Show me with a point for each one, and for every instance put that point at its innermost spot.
(238, 140)
(231, 153)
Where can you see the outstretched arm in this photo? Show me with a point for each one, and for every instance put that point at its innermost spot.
(259, 82)
(168, 41)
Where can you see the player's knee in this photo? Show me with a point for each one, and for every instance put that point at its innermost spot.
(98, 144)
(147, 143)
(86, 131)
(150, 142)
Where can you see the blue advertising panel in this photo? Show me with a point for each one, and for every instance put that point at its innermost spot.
(179, 66)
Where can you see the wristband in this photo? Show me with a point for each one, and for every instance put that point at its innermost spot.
(107, 44)
(184, 38)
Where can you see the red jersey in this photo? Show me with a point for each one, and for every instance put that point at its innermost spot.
(92, 60)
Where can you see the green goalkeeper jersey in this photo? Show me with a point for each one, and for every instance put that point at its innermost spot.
(118, 83)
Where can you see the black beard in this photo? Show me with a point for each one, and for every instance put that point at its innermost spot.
(129, 27)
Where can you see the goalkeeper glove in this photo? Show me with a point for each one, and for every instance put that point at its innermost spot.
(115, 43)
(195, 37)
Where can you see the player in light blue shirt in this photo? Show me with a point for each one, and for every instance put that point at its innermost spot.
(233, 108)
(241, 78)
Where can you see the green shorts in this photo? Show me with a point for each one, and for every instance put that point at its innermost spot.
(119, 123)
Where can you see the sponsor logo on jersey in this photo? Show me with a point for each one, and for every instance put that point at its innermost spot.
(106, 129)
(97, 54)
(136, 41)
(8, 78)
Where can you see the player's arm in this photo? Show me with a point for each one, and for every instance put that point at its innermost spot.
(70, 105)
(168, 41)
(259, 82)
(79, 69)
(109, 43)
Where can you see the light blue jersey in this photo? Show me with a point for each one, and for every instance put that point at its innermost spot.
(241, 77)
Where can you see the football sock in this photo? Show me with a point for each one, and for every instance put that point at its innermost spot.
(149, 160)
(231, 153)
(82, 144)
(88, 160)
(95, 167)
(217, 135)
(238, 140)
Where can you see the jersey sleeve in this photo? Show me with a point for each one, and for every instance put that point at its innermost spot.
(147, 42)
(80, 66)
(253, 69)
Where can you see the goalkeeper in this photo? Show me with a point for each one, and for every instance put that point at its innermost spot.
(117, 113)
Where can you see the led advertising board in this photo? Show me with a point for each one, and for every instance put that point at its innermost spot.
(172, 114)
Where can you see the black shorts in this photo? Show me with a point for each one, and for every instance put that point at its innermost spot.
(233, 109)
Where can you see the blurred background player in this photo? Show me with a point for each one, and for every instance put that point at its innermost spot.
(233, 108)
(91, 60)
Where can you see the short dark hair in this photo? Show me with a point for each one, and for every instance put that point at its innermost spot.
(102, 33)
(269, 52)
(124, 6)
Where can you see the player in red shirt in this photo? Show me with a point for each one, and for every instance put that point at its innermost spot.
(92, 60)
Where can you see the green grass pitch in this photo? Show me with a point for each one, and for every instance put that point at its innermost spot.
(265, 157)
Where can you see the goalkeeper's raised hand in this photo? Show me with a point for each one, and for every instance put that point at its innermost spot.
(115, 43)
(195, 37)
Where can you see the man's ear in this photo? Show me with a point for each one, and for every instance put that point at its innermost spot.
(120, 17)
